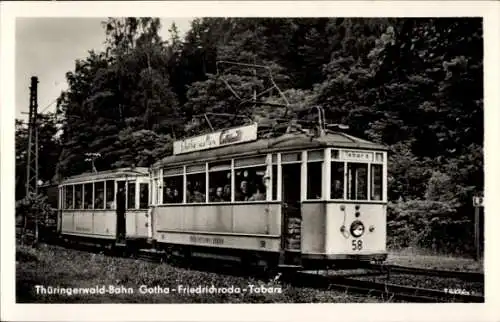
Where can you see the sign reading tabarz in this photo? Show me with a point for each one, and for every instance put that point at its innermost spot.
(217, 139)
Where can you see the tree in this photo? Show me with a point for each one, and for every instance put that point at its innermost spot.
(119, 92)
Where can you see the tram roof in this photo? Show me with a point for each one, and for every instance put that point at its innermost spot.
(108, 174)
(286, 142)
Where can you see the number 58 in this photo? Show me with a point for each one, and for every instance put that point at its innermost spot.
(357, 244)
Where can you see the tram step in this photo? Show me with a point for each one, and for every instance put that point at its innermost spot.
(290, 266)
(292, 250)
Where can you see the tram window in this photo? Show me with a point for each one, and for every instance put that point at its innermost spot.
(131, 195)
(250, 185)
(291, 157)
(143, 195)
(173, 189)
(99, 195)
(376, 182)
(315, 155)
(68, 191)
(219, 183)
(357, 184)
(195, 188)
(87, 191)
(337, 180)
(314, 175)
(258, 160)
(78, 196)
(275, 182)
(110, 194)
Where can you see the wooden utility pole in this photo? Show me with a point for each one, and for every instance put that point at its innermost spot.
(32, 164)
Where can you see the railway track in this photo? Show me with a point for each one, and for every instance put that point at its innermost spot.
(385, 290)
(467, 276)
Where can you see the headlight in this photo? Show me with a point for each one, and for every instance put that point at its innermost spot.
(357, 228)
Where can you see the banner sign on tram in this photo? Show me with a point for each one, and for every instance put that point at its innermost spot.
(217, 139)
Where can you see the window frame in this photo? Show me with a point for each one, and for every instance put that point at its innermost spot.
(195, 172)
(95, 194)
(128, 182)
(113, 184)
(224, 169)
(356, 180)
(161, 187)
(265, 164)
(140, 184)
(306, 161)
(379, 158)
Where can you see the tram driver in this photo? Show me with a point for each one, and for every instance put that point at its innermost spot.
(337, 189)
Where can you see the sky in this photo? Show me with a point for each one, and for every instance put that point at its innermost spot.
(48, 48)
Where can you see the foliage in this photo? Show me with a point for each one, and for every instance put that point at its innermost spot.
(426, 224)
(34, 207)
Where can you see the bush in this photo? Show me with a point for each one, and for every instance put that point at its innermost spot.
(33, 208)
(428, 224)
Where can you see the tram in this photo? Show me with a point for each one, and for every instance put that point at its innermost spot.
(308, 199)
(108, 207)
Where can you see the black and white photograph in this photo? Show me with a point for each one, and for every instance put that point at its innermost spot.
(235, 158)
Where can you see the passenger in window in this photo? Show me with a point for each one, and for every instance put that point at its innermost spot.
(211, 193)
(177, 196)
(98, 202)
(169, 195)
(259, 194)
(242, 194)
(198, 196)
(219, 195)
(111, 205)
(227, 192)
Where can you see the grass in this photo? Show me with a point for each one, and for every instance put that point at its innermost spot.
(65, 268)
(425, 259)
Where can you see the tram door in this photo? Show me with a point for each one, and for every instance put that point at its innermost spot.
(291, 214)
(120, 210)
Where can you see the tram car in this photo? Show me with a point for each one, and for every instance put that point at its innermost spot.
(109, 208)
(299, 200)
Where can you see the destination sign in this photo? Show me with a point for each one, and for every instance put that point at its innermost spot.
(361, 156)
(217, 139)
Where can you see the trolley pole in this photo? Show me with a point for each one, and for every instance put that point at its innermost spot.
(478, 205)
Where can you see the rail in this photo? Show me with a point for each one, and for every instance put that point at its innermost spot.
(385, 290)
(468, 276)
